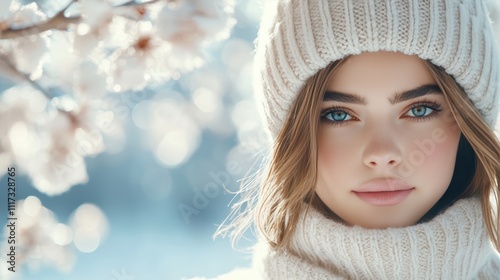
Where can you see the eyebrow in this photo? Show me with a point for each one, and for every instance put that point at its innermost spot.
(397, 98)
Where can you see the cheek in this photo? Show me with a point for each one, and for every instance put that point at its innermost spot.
(335, 154)
(433, 157)
(444, 157)
(441, 163)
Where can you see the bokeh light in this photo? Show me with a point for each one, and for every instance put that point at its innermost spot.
(62, 234)
(24, 142)
(90, 226)
(206, 100)
(87, 240)
(132, 150)
(32, 206)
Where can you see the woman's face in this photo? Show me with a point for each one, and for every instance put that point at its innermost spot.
(387, 142)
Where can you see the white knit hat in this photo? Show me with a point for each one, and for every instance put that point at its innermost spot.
(299, 37)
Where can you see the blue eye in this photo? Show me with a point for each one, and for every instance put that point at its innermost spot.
(420, 111)
(423, 110)
(336, 116)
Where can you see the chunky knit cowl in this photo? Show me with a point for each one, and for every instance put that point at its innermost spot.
(453, 245)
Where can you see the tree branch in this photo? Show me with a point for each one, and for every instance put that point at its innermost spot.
(24, 76)
(35, 85)
(58, 21)
(135, 3)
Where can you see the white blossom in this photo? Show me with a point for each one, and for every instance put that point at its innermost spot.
(46, 143)
(5, 12)
(21, 108)
(71, 136)
(189, 23)
(36, 239)
(52, 164)
(25, 15)
(86, 43)
(57, 114)
(96, 15)
(6, 70)
(51, 126)
(89, 81)
(137, 13)
(29, 54)
(127, 72)
(115, 33)
(146, 59)
(62, 61)
(41, 240)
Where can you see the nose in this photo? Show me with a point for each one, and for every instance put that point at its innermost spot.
(382, 152)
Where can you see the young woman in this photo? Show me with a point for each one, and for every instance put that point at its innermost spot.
(384, 164)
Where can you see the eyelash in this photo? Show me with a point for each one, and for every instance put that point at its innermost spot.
(328, 111)
(434, 106)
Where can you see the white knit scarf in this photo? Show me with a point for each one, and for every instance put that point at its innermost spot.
(453, 245)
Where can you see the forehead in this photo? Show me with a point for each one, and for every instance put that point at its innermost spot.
(372, 73)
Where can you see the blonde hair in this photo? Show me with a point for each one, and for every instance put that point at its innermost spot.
(274, 204)
(486, 147)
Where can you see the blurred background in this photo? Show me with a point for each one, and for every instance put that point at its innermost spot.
(144, 198)
(130, 125)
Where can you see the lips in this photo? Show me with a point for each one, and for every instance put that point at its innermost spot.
(384, 191)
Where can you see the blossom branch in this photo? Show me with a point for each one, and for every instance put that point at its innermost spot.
(135, 3)
(58, 22)
(24, 76)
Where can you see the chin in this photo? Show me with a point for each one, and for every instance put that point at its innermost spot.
(391, 222)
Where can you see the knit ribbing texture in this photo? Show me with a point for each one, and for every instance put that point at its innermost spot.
(299, 37)
(453, 245)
